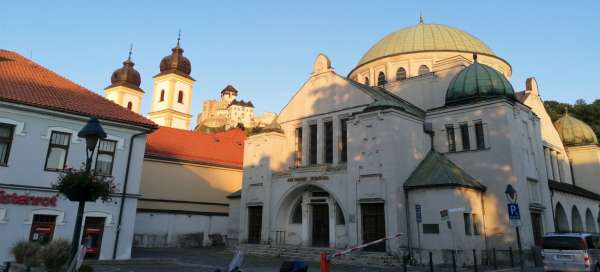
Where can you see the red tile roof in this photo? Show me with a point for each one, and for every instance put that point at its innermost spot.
(25, 82)
(221, 148)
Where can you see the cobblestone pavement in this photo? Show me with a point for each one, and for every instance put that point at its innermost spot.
(211, 259)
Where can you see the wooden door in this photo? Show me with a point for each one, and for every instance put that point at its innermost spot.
(373, 225)
(254, 224)
(537, 227)
(320, 225)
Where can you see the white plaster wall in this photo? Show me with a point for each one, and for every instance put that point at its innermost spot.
(26, 168)
(173, 225)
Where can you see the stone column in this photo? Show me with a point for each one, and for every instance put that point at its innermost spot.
(305, 143)
(549, 171)
(320, 142)
(554, 156)
(337, 139)
(331, 206)
(305, 220)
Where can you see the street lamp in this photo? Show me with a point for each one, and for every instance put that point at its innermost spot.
(92, 132)
(511, 195)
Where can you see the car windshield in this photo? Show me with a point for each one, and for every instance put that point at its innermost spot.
(563, 243)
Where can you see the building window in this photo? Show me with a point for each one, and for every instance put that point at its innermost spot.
(312, 145)
(180, 97)
(431, 228)
(451, 139)
(129, 105)
(339, 216)
(464, 135)
(534, 190)
(401, 74)
(468, 223)
(328, 141)
(42, 228)
(58, 150)
(367, 81)
(162, 96)
(298, 157)
(423, 69)
(105, 157)
(479, 135)
(297, 213)
(6, 137)
(344, 140)
(476, 224)
(381, 79)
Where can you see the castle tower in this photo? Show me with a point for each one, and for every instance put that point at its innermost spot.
(229, 94)
(172, 96)
(125, 87)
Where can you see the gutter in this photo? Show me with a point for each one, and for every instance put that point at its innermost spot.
(124, 193)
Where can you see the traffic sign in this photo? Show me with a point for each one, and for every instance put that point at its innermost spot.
(514, 215)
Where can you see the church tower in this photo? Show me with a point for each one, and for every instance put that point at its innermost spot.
(125, 87)
(172, 96)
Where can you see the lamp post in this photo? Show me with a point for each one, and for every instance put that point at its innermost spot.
(511, 195)
(92, 132)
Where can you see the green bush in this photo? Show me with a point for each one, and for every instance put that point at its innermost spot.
(25, 252)
(86, 268)
(55, 254)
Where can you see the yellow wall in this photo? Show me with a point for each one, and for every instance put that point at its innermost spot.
(187, 182)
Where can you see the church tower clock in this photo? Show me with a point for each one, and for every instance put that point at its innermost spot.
(172, 96)
(125, 87)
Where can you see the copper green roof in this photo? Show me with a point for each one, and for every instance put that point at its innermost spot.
(425, 37)
(573, 131)
(478, 81)
(438, 171)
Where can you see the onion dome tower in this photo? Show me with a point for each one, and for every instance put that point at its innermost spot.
(125, 86)
(574, 132)
(478, 82)
(173, 86)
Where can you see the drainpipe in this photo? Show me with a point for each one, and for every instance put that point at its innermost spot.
(125, 191)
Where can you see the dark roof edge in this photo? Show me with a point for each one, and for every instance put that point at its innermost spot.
(572, 189)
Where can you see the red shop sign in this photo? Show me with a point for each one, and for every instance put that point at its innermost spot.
(6, 198)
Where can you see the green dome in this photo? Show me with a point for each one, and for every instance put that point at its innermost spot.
(478, 81)
(573, 131)
(425, 37)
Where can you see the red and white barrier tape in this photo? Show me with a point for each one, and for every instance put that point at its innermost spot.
(356, 248)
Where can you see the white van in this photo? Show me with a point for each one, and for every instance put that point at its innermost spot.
(571, 252)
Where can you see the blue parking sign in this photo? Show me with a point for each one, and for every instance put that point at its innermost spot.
(514, 215)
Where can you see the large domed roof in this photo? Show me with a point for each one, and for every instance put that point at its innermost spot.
(425, 37)
(126, 76)
(478, 81)
(573, 131)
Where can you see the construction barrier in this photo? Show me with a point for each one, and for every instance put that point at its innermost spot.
(326, 258)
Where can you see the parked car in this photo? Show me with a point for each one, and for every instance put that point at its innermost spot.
(571, 252)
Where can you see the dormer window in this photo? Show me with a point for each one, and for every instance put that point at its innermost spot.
(381, 79)
(180, 97)
(423, 69)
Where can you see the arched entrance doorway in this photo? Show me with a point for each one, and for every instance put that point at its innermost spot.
(576, 220)
(309, 215)
(562, 223)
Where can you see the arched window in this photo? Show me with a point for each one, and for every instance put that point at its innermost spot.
(367, 81)
(381, 79)
(423, 69)
(162, 96)
(129, 105)
(297, 213)
(180, 97)
(401, 74)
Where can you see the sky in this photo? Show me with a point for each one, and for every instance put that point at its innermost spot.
(266, 48)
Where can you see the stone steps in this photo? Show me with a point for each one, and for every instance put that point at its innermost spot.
(313, 254)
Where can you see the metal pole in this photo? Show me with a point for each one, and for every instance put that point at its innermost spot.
(80, 209)
(430, 261)
(512, 260)
(475, 260)
(495, 260)
(454, 260)
(521, 262)
(404, 261)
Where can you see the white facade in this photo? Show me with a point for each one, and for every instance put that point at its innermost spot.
(25, 174)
